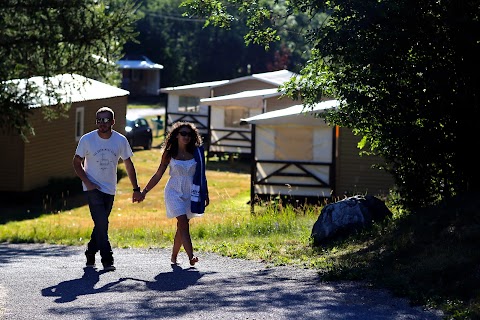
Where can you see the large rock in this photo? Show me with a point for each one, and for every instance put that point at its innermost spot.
(347, 216)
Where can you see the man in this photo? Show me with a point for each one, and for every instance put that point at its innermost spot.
(95, 163)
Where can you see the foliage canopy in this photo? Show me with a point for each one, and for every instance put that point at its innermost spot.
(194, 52)
(406, 73)
(50, 37)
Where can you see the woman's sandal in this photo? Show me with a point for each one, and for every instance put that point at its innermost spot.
(193, 261)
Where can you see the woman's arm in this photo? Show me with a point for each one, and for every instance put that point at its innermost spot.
(158, 174)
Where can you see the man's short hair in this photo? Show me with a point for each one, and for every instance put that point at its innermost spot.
(106, 109)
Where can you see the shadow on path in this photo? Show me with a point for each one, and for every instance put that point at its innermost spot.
(70, 290)
(177, 279)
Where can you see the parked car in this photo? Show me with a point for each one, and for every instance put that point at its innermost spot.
(139, 133)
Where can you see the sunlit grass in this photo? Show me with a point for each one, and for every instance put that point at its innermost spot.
(227, 227)
(137, 224)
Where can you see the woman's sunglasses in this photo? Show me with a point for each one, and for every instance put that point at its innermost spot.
(185, 133)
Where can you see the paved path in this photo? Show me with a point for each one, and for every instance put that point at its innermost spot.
(50, 282)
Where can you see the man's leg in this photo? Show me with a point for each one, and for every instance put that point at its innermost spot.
(100, 205)
(92, 247)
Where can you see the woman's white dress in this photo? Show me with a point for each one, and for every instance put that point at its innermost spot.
(178, 188)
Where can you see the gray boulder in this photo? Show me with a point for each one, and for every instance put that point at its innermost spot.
(347, 216)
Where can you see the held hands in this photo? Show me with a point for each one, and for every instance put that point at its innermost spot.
(143, 194)
(137, 197)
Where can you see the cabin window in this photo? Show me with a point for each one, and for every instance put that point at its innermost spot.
(294, 143)
(233, 116)
(79, 122)
(188, 104)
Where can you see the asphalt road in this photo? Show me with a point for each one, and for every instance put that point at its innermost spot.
(50, 282)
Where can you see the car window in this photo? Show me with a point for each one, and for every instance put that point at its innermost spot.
(142, 122)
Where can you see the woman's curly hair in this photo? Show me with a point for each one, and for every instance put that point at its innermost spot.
(170, 144)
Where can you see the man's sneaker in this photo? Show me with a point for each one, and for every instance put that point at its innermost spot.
(109, 267)
(90, 259)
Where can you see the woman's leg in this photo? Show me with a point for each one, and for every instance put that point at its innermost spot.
(177, 244)
(183, 228)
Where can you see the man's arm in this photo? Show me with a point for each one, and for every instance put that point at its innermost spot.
(132, 175)
(78, 167)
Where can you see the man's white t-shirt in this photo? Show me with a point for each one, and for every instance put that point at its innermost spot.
(101, 158)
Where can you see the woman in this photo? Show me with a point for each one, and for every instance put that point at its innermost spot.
(186, 191)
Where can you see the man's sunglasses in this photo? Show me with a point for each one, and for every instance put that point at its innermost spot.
(184, 133)
(102, 120)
